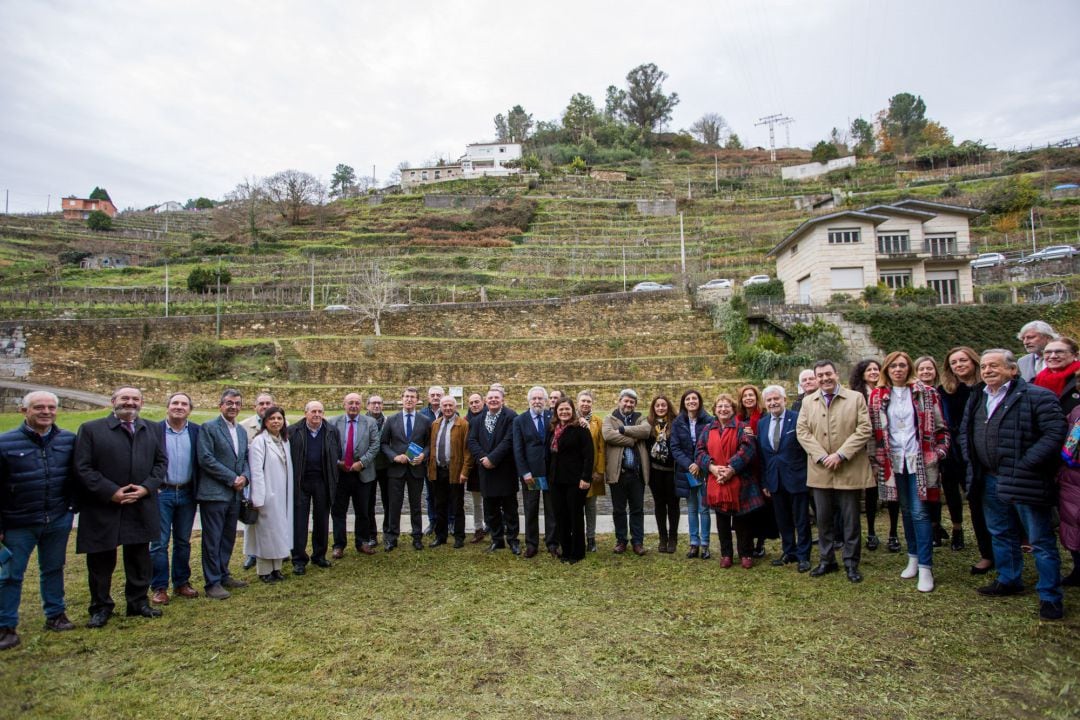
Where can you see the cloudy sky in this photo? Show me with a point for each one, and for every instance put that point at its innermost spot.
(164, 101)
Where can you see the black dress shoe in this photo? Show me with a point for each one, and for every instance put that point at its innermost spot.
(321, 562)
(759, 551)
(276, 576)
(298, 569)
(705, 554)
(804, 566)
(592, 545)
(515, 547)
(438, 542)
(872, 542)
(459, 543)
(417, 544)
(957, 539)
(496, 546)
(99, 619)
(249, 562)
(824, 569)
(388, 547)
(853, 575)
(693, 552)
(144, 611)
(996, 589)
(976, 570)
(784, 559)
(267, 578)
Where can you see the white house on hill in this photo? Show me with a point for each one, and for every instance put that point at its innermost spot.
(479, 160)
(910, 243)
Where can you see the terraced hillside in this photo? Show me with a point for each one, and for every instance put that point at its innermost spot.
(655, 342)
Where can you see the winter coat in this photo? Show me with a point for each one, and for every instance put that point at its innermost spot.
(684, 448)
(633, 435)
(843, 427)
(36, 480)
(273, 493)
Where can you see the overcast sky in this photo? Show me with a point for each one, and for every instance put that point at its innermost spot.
(161, 101)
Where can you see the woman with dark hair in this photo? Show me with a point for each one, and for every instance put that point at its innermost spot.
(725, 448)
(910, 439)
(662, 473)
(864, 377)
(749, 412)
(959, 374)
(270, 540)
(569, 471)
(1059, 375)
(927, 372)
(689, 476)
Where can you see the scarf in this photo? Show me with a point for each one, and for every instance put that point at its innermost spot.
(930, 432)
(490, 420)
(559, 428)
(723, 445)
(1056, 380)
(1070, 452)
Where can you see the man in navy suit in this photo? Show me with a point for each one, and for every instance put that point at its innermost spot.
(176, 501)
(530, 456)
(491, 442)
(224, 474)
(399, 431)
(784, 477)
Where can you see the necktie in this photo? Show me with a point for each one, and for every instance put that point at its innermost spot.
(440, 450)
(828, 399)
(408, 427)
(349, 443)
(539, 425)
(130, 427)
(776, 423)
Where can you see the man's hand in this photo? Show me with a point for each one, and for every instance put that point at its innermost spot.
(239, 482)
(833, 461)
(129, 494)
(583, 485)
(528, 479)
(418, 459)
(487, 463)
(401, 459)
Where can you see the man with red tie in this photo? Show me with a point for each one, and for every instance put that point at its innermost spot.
(356, 475)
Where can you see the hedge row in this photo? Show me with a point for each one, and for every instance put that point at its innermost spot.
(934, 330)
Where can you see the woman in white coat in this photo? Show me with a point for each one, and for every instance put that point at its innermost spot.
(270, 539)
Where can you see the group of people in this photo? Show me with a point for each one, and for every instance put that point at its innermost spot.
(905, 433)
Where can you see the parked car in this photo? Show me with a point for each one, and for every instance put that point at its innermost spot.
(988, 260)
(716, 284)
(649, 286)
(1051, 253)
(756, 280)
(336, 308)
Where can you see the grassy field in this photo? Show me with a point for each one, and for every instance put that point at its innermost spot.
(462, 634)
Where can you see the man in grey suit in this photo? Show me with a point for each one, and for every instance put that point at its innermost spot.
(1035, 335)
(407, 469)
(530, 456)
(224, 474)
(356, 475)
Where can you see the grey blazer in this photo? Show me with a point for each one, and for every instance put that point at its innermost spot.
(1027, 367)
(365, 442)
(218, 462)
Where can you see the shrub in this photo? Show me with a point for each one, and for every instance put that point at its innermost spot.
(204, 279)
(840, 298)
(203, 360)
(73, 257)
(876, 294)
(1010, 196)
(917, 295)
(156, 355)
(99, 221)
(772, 290)
(682, 155)
(996, 297)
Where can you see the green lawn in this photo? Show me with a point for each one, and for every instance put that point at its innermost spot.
(461, 634)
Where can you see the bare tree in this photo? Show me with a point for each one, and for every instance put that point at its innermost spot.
(291, 190)
(710, 128)
(245, 207)
(371, 291)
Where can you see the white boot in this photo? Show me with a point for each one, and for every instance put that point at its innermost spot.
(912, 568)
(926, 579)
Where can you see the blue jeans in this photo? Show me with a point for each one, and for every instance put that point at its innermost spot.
(51, 542)
(918, 533)
(1003, 520)
(698, 517)
(177, 509)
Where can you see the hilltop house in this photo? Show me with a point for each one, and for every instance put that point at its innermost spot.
(479, 160)
(80, 208)
(910, 243)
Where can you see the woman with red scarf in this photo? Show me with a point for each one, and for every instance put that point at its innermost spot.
(569, 470)
(910, 439)
(726, 448)
(1059, 375)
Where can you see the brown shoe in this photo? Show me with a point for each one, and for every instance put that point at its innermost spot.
(187, 591)
(478, 536)
(367, 549)
(338, 553)
(59, 623)
(8, 638)
(530, 552)
(160, 597)
(620, 548)
(639, 549)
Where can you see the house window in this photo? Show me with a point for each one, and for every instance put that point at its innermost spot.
(894, 243)
(843, 237)
(941, 245)
(502, 149)
(847, 278)
(423, 174)
(946, 284)
(436, 174)
(896, 279)
(795, 249)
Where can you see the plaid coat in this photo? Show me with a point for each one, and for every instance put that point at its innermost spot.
(930, 431)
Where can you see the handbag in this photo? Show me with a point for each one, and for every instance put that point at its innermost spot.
(249, 514)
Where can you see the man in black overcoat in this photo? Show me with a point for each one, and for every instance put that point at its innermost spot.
(120, 465)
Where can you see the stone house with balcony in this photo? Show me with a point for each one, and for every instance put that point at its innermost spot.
(479, 160)
(910, 243)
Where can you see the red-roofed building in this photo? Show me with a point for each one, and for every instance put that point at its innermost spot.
(80, 208)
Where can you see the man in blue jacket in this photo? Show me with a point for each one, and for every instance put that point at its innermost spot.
(36, 500)
(176, 501)
(223, 467)
(784, 477)
(530, 457)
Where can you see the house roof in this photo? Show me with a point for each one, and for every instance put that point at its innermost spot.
(921, 215)
(937, 208)
(808, 225)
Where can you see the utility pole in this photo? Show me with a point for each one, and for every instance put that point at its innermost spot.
(166, 289)
(1033, 249)
(624, 268)
(772, 121)
(716, 174)
(217, 327)
(682, 246)
(6, 201)
(312, 306)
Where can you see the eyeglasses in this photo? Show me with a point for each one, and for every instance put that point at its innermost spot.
(230, 403)
(1057, 352)
(898, 366)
